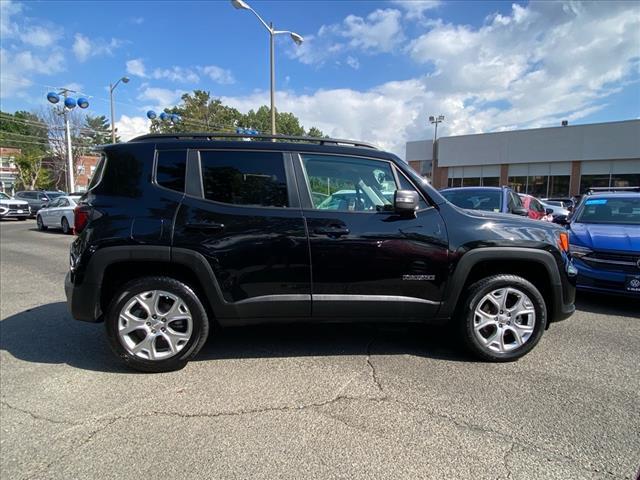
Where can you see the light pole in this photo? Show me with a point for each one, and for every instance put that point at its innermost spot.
(242, 5)
(112, 87)
(434, 162)
(69, 104)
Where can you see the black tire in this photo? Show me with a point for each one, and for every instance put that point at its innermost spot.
(200, 321)
(466, 317)
(40, 224)
(22, 219)
(65, 226)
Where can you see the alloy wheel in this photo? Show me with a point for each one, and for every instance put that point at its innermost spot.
(155, 325)
(504, 319)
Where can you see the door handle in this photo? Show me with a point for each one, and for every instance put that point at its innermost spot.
(332, 231)
(206, 226)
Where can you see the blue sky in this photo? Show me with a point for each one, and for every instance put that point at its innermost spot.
(369, 70)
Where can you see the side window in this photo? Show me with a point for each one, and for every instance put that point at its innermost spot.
(63, 202)
(54, 203)
(244, 178)
(349, 184)
(170, 169)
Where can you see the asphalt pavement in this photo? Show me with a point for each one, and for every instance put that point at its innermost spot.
(308, 402)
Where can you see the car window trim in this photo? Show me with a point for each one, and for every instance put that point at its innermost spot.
(288, 172)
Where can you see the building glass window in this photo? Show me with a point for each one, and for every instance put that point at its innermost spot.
(625, 180)
(559, 185)
(518, 184)
(597, 180)
(537, 185)
(455, 182)
(490, 181)
(471, 182)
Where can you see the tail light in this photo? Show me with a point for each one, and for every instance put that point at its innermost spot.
(80, 218)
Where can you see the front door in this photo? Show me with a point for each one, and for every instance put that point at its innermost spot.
(368, 261)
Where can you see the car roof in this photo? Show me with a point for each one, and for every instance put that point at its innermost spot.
(621, 193)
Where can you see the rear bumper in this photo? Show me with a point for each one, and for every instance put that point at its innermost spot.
(83, 300)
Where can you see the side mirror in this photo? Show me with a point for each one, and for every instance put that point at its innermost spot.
(405, 202)
(44, 199)
(549, 211)
(520, 211)
(561, 220)
(570, 208)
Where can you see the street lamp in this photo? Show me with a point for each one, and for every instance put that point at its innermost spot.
(69, 104)
(112, 87)
(242, 5)
(434, 162)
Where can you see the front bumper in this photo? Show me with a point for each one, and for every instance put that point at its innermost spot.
(603, 280)
(15, 212)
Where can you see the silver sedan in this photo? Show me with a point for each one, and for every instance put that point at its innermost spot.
(58, 214)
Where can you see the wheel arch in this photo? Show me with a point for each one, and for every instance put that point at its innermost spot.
(537, 266)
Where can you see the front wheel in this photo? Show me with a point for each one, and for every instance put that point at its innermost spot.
(40, 223)
(156, 324)
(503, 318)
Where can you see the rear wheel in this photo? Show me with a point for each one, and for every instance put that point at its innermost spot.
(65, 226)
(504, 317)
(156, 324)
(40, 223)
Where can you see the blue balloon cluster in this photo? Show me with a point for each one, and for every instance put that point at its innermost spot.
(247, 131)
(69, 102)
(164, 116)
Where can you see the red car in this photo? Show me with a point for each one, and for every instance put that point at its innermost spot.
(535, 208)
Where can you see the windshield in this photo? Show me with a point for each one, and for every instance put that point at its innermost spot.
(621, 211)
(475, 199)
(53, 195)
(4, 196)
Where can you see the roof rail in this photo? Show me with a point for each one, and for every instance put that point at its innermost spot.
(262, 136)
(612, 189)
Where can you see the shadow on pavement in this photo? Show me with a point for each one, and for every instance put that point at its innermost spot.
(47, 334)
(608, 304)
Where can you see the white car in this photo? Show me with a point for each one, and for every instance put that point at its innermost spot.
(58, 214)
(12, 208)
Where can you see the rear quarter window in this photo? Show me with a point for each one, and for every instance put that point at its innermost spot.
(170, 169)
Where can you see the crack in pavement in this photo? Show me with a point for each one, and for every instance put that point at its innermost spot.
(374, 373)
(36, 416)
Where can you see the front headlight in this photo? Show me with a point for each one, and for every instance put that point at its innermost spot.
(578, 252)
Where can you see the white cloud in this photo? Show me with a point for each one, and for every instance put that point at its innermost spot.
(17, 67)
(40, 36)
(218, 75)
(9, 10)
(130, 127)
(159, 98)
(380, 31)
(353, 62)
(177, 74)
(415, 9)
(136, 67)
(85, 48)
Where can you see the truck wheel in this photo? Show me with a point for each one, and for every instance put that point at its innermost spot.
(156, 324)
(40, 223)
(503, 318)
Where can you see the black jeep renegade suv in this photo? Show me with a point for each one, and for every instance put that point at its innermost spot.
(180, 232)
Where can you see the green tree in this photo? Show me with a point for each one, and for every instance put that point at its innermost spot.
(23, 130)
(315, 132)
(286, 123)
(199, 113)
(31, 173)
(96, 131)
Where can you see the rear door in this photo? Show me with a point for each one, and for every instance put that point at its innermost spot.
(243, 216)
(367, 261)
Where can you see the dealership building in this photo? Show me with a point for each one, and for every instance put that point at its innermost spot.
(544, 162)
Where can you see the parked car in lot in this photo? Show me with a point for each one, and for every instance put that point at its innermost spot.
(179, 231)
(37, 199)
(13, 208)
(59, 214)
(604, 233)
(490, 199)
(535, 208)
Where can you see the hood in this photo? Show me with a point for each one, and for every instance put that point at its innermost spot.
(624, 238)
(13, 201)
